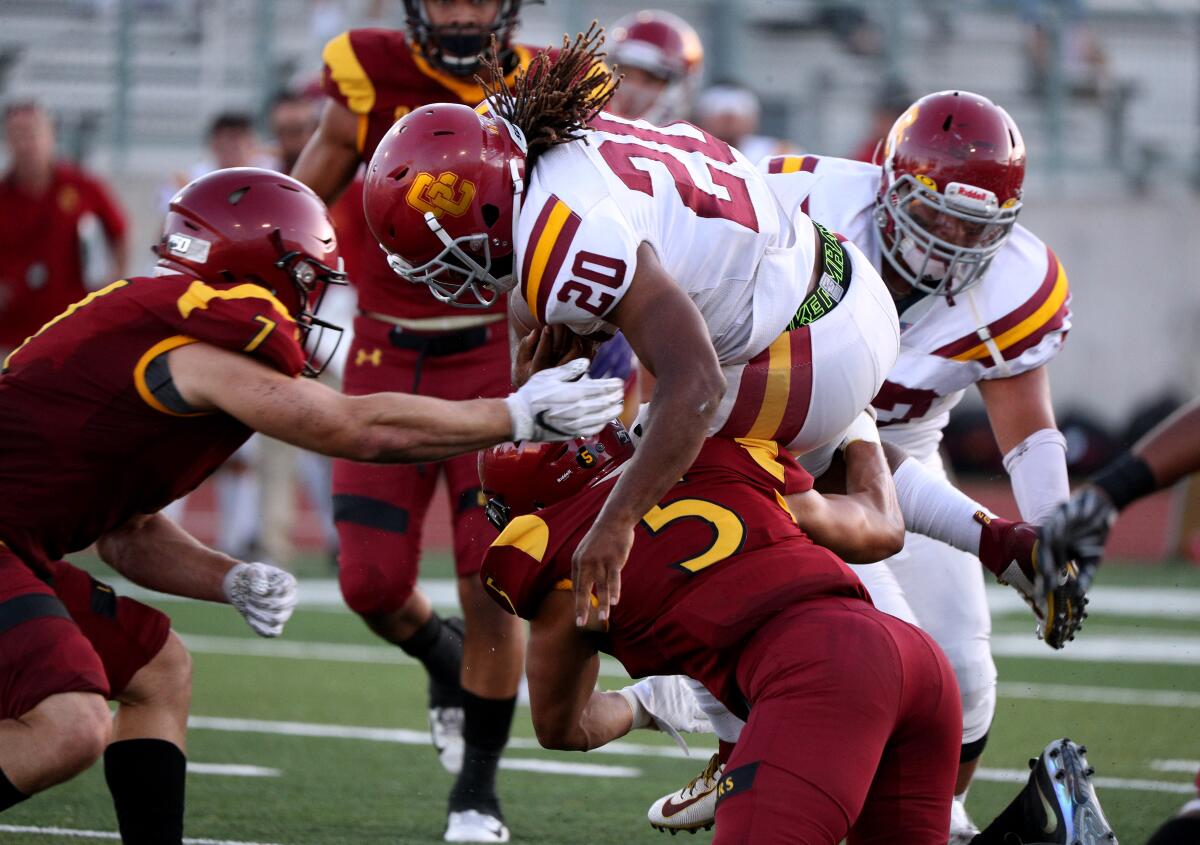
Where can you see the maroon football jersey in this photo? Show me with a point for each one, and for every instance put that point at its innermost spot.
(85, 442)
(717, 557)
(380, 77)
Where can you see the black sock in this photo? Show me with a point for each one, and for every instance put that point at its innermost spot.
(1183, 830)
(1008, 828)
(438, 644)
(146, 779)
(9, 794)
(486, 723)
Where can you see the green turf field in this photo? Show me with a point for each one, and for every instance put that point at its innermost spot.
(291, 708)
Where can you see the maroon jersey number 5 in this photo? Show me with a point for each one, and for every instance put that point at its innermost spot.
(621, 157)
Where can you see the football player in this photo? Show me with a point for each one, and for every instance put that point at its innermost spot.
(660, 58)
(405, 340)
(981, 301)
(723, 584)
(597, 224)
(704, 553)
(131, 398)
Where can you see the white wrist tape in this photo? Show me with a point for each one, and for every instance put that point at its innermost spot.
(1038, 469)
(641, 716)
(863, 428)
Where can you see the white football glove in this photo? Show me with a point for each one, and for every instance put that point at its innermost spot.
(556, 404)
(668, 706)
(265, 595)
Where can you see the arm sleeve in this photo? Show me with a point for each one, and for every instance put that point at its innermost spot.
(576, 268)
(1038, 470)
(513, 573)
(242, 318)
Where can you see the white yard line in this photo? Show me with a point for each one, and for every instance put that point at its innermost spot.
(235, 770)
(1136, 784)
(1099, 695)
(1190, 767)
(553, 767)
(72, 833)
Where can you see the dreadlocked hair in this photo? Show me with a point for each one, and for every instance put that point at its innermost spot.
(552, 100)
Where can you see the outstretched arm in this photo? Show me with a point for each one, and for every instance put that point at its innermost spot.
(669, 337)
(388, 427)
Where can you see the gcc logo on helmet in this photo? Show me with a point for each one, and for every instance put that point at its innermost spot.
(441, 195)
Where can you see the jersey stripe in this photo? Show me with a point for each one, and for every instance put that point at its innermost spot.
(346, 70)
(765, 453)
(792, 164)
(139, 373)
(799, 385)
(547, 247)
(775, 391)
(1042, 313)
(779, 377)
(198, 295)
(71, 309)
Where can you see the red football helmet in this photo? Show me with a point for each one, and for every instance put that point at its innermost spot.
(442, 197)
(457, 48)
(665, 46)
(246, 224)
(524, 477)
(953, 167)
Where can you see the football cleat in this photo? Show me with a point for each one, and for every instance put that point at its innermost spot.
(962, 829)
(446, 715)
(1058, 800)
(692, 808)
(474, 826)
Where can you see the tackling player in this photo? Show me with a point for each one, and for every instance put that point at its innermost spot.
(131, 398)
(722, 584)
(405, 340)
(981, 301)
(599, 224)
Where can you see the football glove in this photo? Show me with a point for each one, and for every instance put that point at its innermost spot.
(1075, 532)
(667, 706)
(265, 595)
(557, 404)
(1011, 551)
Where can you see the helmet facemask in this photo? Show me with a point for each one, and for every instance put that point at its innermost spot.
(456, 48)
(311, 280)
(911, 214)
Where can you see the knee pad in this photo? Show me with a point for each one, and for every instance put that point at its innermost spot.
(978, 710)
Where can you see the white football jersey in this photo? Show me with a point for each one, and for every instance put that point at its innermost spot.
(1013, 321)
(706, 211)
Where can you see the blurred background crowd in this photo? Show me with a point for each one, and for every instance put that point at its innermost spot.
(110, 106)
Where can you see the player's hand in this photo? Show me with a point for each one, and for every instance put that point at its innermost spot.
(265, 595)
(597, 564)
(549, 346)
(561, 403)
(1076, 531)
(660, 703)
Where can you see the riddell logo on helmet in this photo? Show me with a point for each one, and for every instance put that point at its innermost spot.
(443, 194)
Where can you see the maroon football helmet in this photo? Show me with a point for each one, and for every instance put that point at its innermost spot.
(457, 48)
(524, 477)
(442, 196)
(665, 46)
(953, 167)
(246, 224)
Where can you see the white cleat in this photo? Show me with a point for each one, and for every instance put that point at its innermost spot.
(474, 826)
(446, 730)
(692, 808)
(962, 829)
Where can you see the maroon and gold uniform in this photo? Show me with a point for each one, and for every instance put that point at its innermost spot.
(406, 340)
(92, 435)
(853, 716)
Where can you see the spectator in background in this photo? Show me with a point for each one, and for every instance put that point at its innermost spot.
(1081, 58)
(47, 207)
(293, 120)
(232, 142)
(890, 102)
(732, 113)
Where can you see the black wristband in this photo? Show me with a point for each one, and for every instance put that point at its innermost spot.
(1126, 479)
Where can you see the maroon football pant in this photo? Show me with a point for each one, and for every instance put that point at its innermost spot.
(75, 635)
(854, 732)
(380, 509)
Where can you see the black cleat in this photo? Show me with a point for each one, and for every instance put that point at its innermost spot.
(1059, 801)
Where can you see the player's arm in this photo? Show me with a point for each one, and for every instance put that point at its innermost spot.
(330, 159)
(668, 335)
(154, 552)
(561, 665)
(864, 524)
(1035, 453)
(387, 427)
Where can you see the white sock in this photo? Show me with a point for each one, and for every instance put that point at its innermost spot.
(934, 507)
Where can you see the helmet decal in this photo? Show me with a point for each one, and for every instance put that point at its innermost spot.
(441, 195)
